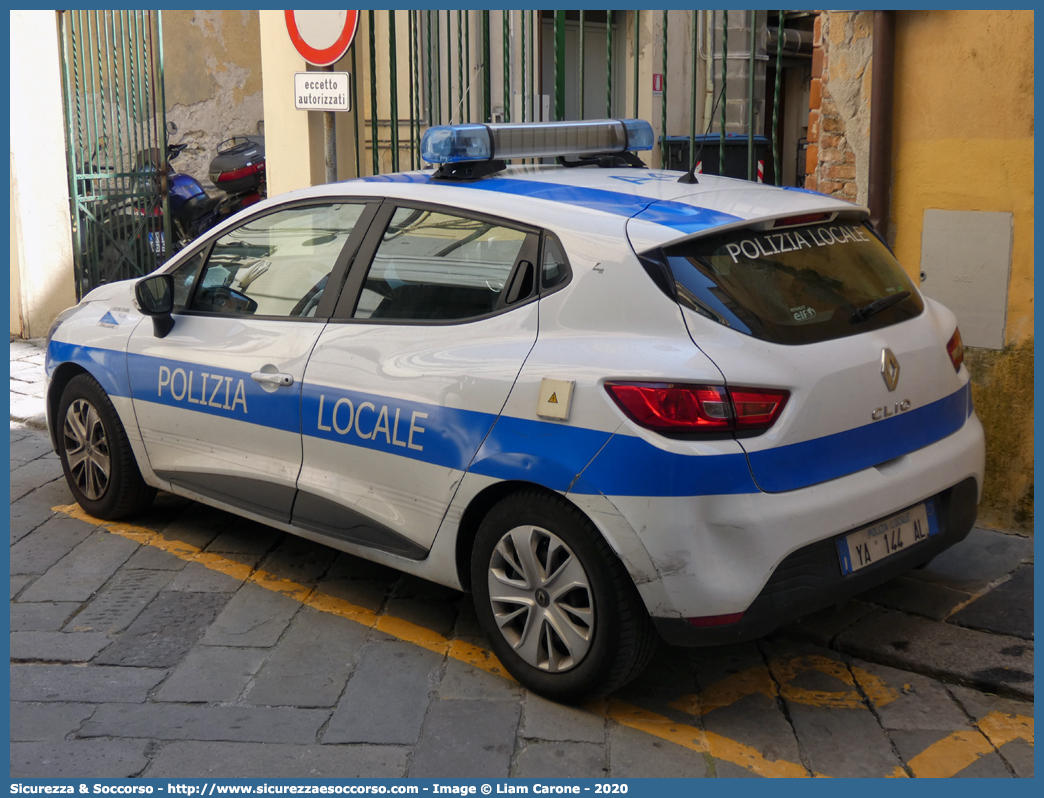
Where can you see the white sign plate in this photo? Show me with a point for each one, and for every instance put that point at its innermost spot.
(322, 91)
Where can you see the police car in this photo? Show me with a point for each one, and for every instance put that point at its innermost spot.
(615, 403)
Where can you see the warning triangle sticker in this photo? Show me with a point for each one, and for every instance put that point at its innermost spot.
(553, 400)
(108, 319)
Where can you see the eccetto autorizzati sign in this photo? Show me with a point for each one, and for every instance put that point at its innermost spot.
(322, 91)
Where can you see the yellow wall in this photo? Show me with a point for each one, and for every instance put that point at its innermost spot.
(286, 129)
(963, 140)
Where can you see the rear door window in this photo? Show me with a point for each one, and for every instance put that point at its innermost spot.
(433, 266)
(793, 286)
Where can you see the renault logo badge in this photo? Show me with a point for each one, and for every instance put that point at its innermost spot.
(889, 369)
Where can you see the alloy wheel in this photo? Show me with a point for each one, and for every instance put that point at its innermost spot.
(541, 599)
(87, 449)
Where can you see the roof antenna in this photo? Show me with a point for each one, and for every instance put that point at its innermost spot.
(690, 176)
(467, 91)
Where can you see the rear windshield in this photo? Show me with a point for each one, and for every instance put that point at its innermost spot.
(794, 286)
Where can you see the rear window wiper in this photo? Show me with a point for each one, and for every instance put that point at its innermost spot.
(865, 312)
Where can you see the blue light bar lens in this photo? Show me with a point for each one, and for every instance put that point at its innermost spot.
(447, 144)
(457, 143)
(639, 134)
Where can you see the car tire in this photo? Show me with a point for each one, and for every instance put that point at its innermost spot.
(578, 633)
(96, 455)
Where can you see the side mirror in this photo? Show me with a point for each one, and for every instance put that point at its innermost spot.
(155, 297)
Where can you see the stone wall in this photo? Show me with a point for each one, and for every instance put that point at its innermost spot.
(838, 156)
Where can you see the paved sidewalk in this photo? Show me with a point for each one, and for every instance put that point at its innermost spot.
(27, 382)
(189, 642)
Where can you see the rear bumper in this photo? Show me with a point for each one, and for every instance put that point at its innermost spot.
(810, 578)
(714, 555)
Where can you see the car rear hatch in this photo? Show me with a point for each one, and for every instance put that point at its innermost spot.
(817, 306)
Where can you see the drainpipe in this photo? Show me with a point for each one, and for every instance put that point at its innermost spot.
(881, 102)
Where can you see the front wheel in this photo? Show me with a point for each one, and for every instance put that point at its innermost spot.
(96, 455)
(560, 610)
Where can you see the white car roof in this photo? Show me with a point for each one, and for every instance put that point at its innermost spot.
(655, 208)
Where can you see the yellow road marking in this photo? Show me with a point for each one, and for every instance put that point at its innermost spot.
(956, 751)
(702, 741)
(763, 680)
(977, 595)
(657, 725)
(1001, 728)
(950, 755)
(310, 597)
(728, 691)
(943, 758)
(787, 670)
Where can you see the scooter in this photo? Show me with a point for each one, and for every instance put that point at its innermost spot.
(192, 210)
(239, 170)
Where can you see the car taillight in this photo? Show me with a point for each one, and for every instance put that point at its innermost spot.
(757, 408)
(673, 407)
(955, 349)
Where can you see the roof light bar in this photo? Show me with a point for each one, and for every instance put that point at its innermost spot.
(460, 143)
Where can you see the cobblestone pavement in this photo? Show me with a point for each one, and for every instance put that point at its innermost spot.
(190, 642)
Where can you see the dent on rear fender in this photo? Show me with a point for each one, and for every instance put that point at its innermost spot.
(566, 477)
(626, 542)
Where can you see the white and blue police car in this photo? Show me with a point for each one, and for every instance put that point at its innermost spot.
(615, 403)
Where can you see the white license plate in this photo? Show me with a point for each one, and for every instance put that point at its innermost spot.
(887, 537)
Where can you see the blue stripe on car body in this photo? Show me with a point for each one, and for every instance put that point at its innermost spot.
(557, 456)
(216, 391)
(107, 366)
(680, 216)
(799, 465)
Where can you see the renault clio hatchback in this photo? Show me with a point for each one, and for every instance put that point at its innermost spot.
(615, 403)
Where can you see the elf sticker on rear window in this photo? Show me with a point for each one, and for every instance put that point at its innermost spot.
(803, 313)
(793, 240)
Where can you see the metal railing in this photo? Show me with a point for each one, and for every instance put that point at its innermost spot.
(112, 75)
(449, 82)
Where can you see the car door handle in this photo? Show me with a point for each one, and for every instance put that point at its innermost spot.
(277, 378)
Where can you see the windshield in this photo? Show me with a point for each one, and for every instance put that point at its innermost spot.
(796, 286)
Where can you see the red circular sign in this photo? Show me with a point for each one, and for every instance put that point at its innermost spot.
(322, 37)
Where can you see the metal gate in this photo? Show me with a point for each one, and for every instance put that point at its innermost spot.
(112, 72)
(492, 66)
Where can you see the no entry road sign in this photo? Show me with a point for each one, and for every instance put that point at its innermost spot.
(322, 37)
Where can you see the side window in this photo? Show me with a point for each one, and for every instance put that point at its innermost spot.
(185, 278)
(555, 267)
(434, 266)
(277, 264)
